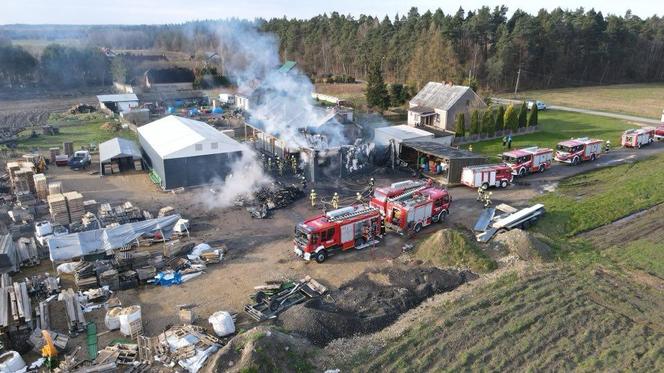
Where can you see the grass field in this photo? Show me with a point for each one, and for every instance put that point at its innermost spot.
(555, 126)
(83, 130)
(645, 100)
(558, 319)
(596, 198)
(353, 92)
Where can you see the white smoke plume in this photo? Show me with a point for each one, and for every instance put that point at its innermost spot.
(246, 177)
(281, 103)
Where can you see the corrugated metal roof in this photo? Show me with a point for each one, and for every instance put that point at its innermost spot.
(436, 148)
(118, 148)
(117, 98)
(404, 132)
(439, 95)
(287, 66)
(177, 137)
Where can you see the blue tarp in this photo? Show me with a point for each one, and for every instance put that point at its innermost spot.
(168, 278)
(217, 110)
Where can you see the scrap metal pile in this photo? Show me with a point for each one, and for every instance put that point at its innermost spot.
(270, 197)
(276, 297)
(188, 346)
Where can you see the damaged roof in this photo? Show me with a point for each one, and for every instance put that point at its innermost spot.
(439, 96)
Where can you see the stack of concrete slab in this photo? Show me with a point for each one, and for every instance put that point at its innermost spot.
(75, 205)
(55, 187)
(41, 186)
(57, 205)
(90, 206)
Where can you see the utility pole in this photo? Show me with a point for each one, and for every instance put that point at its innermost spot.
(516, 87)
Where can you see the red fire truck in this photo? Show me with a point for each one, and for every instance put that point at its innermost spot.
(659, 132)
(411, 211)
(528, 160)
(576, 150)
(382, 194)
(484, 176)
(338, 230)
(635, 138)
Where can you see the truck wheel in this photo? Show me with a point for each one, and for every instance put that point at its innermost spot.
(418, 227)
(522, 172)
(575, 161)
(503, 183)
(485, 186)
(638, 146)
(359, 242)
(592, 157)
(321, 256)
(439, 217)
(541, 168)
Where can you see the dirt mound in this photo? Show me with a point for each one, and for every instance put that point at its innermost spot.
(453, 248)
(111, 126)
(262, 349)
(524, 244)
(370, 302)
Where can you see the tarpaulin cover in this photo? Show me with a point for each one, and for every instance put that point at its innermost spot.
(101, 240)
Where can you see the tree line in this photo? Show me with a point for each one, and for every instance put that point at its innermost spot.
(481, 47)
(58, 66)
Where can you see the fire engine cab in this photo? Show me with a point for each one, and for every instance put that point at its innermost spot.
(485, 176)
(382, 194)
(635, 138)
(576, 150)
(659, 132)
(528, 160)
(413, 210)
(338, 230)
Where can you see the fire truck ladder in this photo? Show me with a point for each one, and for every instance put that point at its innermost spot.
(407, 194)
(352, 214)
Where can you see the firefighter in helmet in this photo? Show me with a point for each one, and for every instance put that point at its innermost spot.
(372, 182)
(269, 164)
(312, 197)
(607, 146)
(358, 196)
(335, 200)
(293, 161)
(487, 199)
(480, 194)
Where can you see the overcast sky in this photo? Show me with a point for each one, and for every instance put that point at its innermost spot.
(175, 11)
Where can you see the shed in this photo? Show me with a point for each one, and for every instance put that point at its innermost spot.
(120, 103)
(121, 152)
(436, 159)
(183, 152)
(399, 134)
(174, 78)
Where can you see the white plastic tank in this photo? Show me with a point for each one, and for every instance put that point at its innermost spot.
(11, 361)
(222, 323)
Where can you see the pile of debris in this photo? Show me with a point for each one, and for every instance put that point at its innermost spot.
(188, 346)
(121, 214)
(81, 109)
(275, 297)
(270, 197)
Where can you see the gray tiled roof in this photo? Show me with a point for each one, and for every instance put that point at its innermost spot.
(439, 95)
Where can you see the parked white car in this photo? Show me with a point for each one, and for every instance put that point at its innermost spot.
(540, 105)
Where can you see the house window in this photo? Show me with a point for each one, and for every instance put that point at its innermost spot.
(199, 147)
(214, 145)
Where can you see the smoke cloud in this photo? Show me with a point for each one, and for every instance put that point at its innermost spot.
(279, 103)
(246, 177)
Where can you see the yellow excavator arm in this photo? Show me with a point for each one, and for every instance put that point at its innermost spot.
(48, 351)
